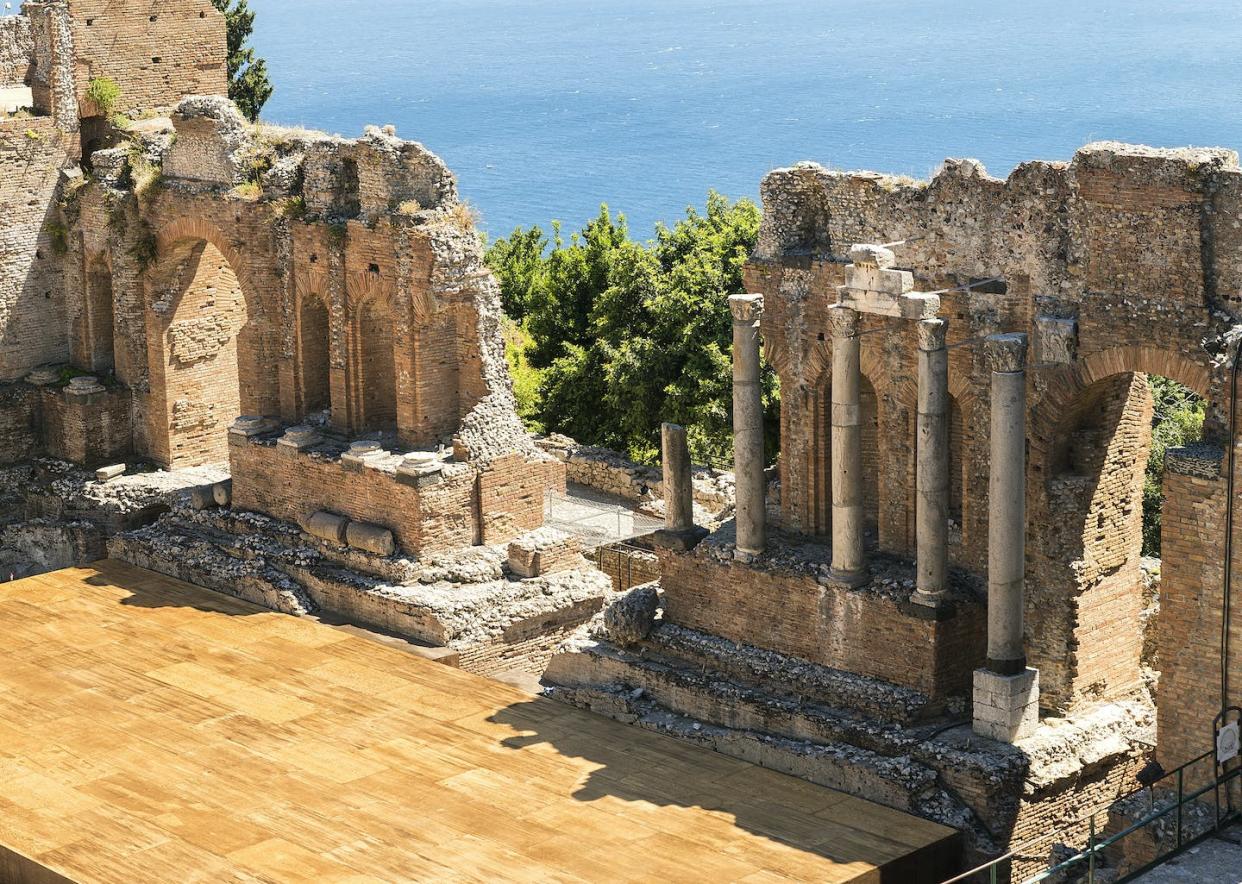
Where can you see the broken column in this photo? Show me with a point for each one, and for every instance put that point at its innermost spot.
(679, 531)
(748, 425)
(1006, 696)
(932, 466)
(848, 563)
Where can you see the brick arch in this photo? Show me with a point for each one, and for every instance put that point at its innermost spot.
(206, 366)
(193, 228)
(1066, 384)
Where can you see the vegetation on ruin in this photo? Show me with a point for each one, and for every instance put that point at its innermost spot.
(617, 336)
(104, 93)
(1177, 419)
(249, 86)
(59, 235)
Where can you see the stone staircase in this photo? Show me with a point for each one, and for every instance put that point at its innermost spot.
(467, 601)
(860, 735)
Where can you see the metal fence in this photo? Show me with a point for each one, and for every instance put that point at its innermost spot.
(596, 520)
(1084, 864)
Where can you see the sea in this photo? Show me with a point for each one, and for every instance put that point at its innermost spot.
(545, 109)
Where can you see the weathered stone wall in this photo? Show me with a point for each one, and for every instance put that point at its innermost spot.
(863, 631)
(1191, 601)
(19, 424)
(89, 429)
(157, 52)
(16, 50)
(32, 298)
(1123, 261)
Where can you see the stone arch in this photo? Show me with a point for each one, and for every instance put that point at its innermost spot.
(209, 344)
(98, 314)
(313, 335)
(373, 363)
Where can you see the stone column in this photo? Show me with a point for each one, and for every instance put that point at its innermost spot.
(1006, 700)
(748, 425)
(679, 531)
(932, 477)
(848, 564)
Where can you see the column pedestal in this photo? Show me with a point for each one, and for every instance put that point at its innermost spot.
(679, 531)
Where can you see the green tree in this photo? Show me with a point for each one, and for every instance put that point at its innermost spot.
(1177, 419)
(249, 86)
(627, 335)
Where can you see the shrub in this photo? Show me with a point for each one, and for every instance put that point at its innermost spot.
(104, 93)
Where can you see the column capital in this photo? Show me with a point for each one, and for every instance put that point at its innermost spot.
(1006, 353)
(931, 333)
(844, 321)
(746, 308)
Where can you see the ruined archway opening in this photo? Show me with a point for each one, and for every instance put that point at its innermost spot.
(957, 476)
(1176, 420)
(377, 365)
(99, 316)
(871, 460)
(314, 356)
(212, 368)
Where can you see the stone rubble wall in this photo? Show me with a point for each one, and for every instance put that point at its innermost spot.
(16, 50)
(612, 473)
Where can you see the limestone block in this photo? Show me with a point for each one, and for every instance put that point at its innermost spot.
(103, 474)
(630, 617)
(1006, 707)
(544, 551)
(370, 538)
(1058, 339)
(202, 498)
(326, 526)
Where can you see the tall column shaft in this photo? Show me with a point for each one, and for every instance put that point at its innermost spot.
(678, 490)
(848, 562)
(932, 478)
(748, 425)
(1007, 504)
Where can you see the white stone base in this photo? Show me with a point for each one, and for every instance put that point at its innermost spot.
(1006, 707)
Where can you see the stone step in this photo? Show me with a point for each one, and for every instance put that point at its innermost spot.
(195, 557)
(898, 782)
(779, 675)
(708, 695)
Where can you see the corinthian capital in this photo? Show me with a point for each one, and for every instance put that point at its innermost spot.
(746, 308)
(1006, 353)
(931, 334)
(844, 321)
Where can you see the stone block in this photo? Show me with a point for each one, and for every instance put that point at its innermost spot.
(1006, 707)
(326, 526)
(370, 538)
(222, 492)
(543, 551)
(1058, 340)
(202, 498)
(103, 474)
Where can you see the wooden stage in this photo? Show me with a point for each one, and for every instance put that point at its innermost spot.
(153, 731)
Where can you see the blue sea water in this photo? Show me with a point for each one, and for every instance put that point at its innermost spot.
(545, 109)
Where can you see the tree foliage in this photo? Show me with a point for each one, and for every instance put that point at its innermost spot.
(626, 335)
(249, 86)
(1177, 419)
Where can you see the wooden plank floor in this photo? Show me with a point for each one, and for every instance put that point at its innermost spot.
(153, 731)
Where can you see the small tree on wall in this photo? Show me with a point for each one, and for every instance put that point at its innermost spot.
(249, 86)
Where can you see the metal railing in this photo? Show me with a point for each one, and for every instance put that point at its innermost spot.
(999, 870)
(617, 561)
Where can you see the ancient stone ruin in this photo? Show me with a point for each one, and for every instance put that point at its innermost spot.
(269, 362)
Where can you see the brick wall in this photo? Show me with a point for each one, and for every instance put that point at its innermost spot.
(858, 631)
(91, 430)
(488, 504)
(32, 297)
(19, 423)
(156, 51)
(1189, 623)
